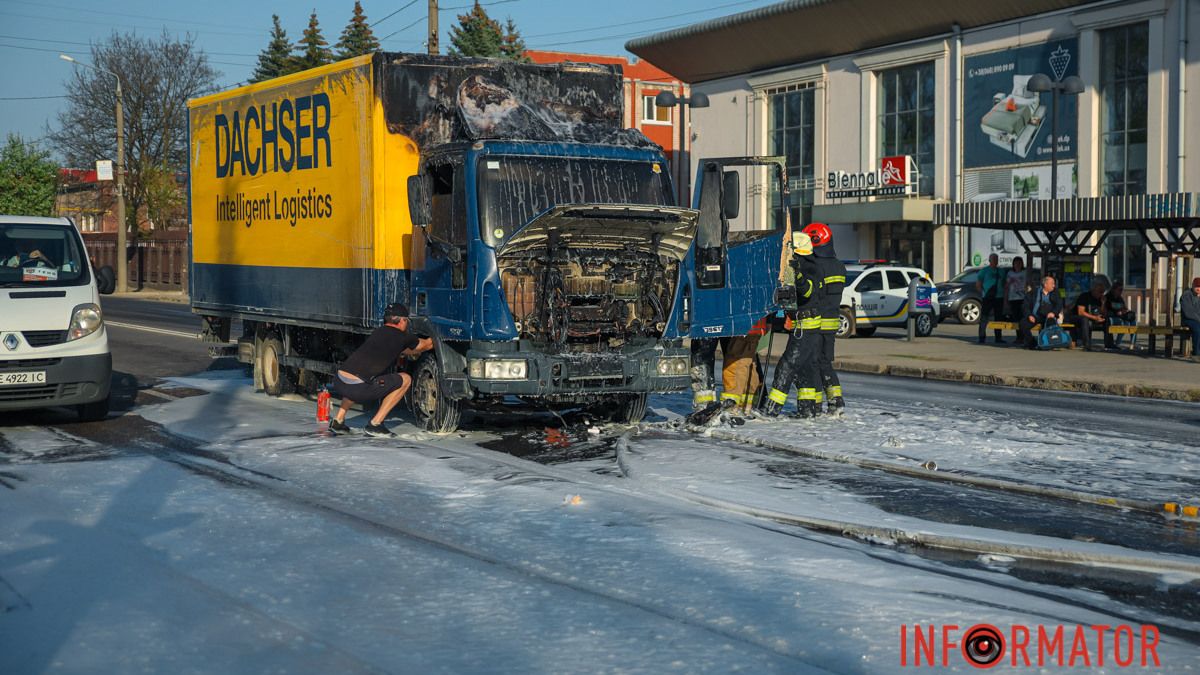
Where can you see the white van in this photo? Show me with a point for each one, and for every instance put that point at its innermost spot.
(53, 346)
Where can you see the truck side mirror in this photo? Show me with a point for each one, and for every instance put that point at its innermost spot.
(731, 195)
(418, 201)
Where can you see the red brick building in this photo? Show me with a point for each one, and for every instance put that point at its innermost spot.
(89, 202)
(643, 81)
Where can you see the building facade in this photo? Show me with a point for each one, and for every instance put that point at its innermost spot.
(847, 91)
(643, 81)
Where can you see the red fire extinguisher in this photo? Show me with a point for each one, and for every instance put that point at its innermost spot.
(323, 406)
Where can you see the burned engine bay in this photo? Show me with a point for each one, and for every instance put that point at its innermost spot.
(588, 300)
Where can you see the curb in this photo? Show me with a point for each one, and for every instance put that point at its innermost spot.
(152, 296)
(1024, 382)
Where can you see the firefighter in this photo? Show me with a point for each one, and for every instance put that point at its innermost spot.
(796, 364)
(832, 274)
(704, 356)
(739, 368)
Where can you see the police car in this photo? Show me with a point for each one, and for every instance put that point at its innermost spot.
(876, 294)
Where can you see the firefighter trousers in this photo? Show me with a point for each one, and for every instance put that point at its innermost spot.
(739, 372)
(829, 384)
(704, 356)
(797, 366)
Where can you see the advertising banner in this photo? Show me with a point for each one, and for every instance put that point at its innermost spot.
(1004, 122)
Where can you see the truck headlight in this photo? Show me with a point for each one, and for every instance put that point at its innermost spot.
(499, 369)
(674, 365)
(85, 320)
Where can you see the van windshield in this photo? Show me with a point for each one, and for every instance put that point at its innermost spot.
(514, 189)
(35, 255)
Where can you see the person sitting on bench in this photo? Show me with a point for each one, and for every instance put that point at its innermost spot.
(1041, 306)
(1117, 313)
(1189, 312)
(1089, 311)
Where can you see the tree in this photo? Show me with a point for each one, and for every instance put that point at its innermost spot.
(277, 58)
(512, 45)
(158, 76)
(476, 34)
(357, 39)
(28, 179)
(164, 195)
(314, 50)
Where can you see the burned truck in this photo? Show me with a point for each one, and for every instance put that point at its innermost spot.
(533, 238)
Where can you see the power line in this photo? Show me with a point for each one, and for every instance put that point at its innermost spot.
(121, 14)
(144, 27)
(482, 4)
(29, 39)
(408, 4)
(39, 49)
(644, 21)
(28, 98)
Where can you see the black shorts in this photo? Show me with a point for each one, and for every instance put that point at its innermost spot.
(371, 390)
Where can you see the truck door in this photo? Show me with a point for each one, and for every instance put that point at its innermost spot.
(733, 268)
(440, 288)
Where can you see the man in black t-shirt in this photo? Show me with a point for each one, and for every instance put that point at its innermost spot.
(1089, 310)
(368, 374)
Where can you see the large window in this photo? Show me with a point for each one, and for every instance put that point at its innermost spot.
(906, 243)
(906, 115)
(791, 116)
(1124, 80)
(653, 113)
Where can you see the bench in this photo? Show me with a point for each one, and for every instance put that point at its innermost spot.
(1168, 332)
(1010, 325)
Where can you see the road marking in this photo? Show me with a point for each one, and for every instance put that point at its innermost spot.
(149, 329)
(35, 442)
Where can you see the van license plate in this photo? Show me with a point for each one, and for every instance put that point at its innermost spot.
(27, 377)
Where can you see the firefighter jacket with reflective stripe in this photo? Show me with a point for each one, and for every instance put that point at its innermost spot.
(808, 285)
(832, 274)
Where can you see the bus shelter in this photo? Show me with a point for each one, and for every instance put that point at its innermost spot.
(1065, 235)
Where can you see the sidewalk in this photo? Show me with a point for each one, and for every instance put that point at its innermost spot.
(953, 353)
(153, 295)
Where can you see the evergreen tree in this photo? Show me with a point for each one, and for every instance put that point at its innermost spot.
(276, 59)
(314, 50)
(28, 179)
(357, 38)
(476, 34)
(512, 45)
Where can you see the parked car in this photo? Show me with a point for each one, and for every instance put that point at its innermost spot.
(53, 345)
(876, 294)
(960, 299)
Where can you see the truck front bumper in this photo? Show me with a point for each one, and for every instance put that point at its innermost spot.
(70, 380)
(576, 375)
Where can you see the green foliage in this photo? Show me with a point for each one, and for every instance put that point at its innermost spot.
(314, 50)
(513, 45)
(27, 179)
(477, 34)
(276, 59)
(164, 195)
(357, 39)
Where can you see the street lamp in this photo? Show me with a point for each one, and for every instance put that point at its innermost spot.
(122, 261)
(668, 99)
(1069, 85)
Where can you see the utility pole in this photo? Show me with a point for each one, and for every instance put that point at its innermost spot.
(433, 27)
(122, 258)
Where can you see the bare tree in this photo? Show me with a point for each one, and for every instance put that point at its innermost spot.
(158, 76)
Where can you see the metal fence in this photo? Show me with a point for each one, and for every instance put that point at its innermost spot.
(153, 263)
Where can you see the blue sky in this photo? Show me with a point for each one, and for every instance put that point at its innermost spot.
(233, 32)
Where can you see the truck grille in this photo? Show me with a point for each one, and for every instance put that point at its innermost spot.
(44, 338)
(22, 364)
(39, 392)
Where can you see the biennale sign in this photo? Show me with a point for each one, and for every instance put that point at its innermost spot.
(895, 177)
(1004, 122)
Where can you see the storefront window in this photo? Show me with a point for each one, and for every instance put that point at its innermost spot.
(908, 243)
(906, 115)
(1124, 86)
(790, 119)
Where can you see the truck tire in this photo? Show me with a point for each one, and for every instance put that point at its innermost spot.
(277, 379)
(94, 411)
(631, 409)
(432, 411)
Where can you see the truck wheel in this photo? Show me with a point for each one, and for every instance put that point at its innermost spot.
(924, 325)
(93, 412)
(432, 410)
(277, 378)
(846, 326)
(631, 409)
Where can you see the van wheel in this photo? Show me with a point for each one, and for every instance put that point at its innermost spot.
(93, 412)
(106, 280)
(631, 409)
(846, 326)
(924, 325)
(277, 379)
(432, 410)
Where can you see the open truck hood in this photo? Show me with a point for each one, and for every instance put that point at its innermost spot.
(657, 230)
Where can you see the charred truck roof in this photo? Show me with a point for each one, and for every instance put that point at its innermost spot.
(436, 100)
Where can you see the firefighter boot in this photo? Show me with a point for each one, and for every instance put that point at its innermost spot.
(773, 404)
(837, 406)
(806, 410)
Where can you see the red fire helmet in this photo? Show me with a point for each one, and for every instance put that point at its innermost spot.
(819, 233)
